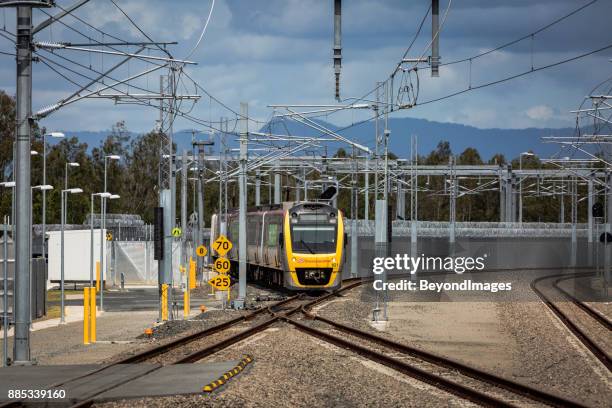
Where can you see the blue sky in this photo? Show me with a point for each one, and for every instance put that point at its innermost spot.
(279, 51)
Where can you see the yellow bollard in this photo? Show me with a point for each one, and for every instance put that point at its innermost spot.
(164, 302)
(192, 273)
(97, 276)
(92, 311)
(86, 315)
(186, 305)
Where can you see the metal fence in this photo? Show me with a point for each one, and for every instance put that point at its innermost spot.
(7, 283)
(440, 229)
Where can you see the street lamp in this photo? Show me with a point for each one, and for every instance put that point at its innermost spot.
(63, 216)
(91, 219)
(43, 188)
(69, 164)
(103, 217)
(102, 228)
(521, 185)
(57, 135)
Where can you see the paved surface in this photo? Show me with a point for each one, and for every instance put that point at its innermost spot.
(63, 344)
(137, 380)
(172, 380)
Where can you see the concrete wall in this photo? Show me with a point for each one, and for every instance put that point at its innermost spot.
(501, 253)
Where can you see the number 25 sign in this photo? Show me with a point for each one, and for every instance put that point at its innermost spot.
(220, 282)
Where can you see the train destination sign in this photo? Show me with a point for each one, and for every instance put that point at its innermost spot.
(222, 245)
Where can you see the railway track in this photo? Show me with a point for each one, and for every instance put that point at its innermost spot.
(580, 333)
(376, 348)
(390, 358)
(157, 352)
(203, 352)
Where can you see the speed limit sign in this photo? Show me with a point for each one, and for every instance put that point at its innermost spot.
(222, 245)
(222, 265)
(220, 282)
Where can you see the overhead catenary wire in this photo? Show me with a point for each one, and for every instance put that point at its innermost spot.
(508, 78)
(164, 50)
(197, 44)
(524, 37)
(504, 45)
(492, 83)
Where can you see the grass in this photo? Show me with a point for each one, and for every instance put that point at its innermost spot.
(55, 295)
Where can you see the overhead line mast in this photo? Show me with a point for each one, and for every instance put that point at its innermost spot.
(337, 44)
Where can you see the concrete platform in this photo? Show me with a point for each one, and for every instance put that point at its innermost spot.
(115, 382)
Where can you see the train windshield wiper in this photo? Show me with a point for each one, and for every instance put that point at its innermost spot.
(307, 247)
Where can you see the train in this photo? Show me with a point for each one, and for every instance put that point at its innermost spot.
(299, 246)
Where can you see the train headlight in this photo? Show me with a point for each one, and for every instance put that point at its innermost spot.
(294, 218)
(332, 218)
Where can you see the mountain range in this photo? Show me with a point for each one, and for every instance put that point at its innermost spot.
(488, 142)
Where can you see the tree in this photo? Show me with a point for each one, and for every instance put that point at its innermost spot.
(441, 154)
(469, 156)
(341, 153)
(498, 159)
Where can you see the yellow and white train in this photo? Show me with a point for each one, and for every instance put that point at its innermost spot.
(299, 246)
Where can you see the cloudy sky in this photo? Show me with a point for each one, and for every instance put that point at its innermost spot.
(279, 51)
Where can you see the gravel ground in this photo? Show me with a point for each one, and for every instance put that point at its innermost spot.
(258, 298)
(116, 333)
(544, 354)
(292, 369)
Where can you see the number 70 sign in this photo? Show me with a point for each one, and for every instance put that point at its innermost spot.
(222, 245)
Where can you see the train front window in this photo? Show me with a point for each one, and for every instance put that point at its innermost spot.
(313, 238)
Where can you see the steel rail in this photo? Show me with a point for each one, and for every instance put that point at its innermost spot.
(600, 318)
(415, 372)
(441, 361)
(584, 338)
(220, 345)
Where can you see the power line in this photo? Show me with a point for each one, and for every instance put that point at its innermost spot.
(564, 61)
(546, 27)
(508, 78)
(212, 6)
(99, 42)
(139, 29)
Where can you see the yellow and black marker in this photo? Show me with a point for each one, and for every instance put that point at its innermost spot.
(225, 377)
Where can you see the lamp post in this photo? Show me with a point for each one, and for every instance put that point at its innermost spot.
(43, 188)
(63, 216)
(521, 185)
(91, 219)
(69, 164)
(57, 135)
(103, 226)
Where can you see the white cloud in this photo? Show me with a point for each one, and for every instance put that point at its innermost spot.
(540, 112)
